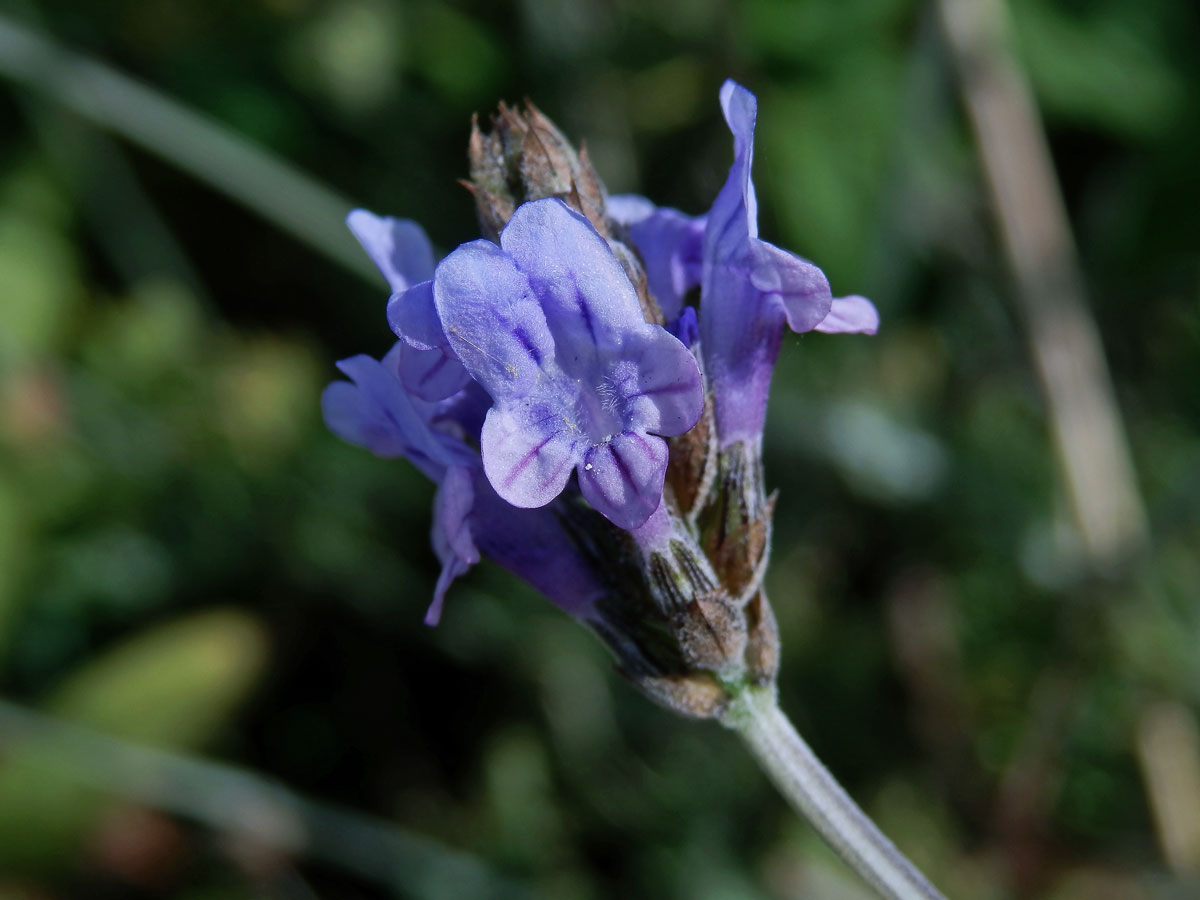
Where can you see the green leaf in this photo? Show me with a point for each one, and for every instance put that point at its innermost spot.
(174, 686)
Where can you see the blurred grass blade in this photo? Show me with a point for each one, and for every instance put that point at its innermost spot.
(1031, 213)
(124, 220)
(195, 143)
(251, 808)
(1168, 747)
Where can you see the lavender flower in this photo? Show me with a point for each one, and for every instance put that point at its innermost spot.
(749, 289)
(537, 355)
(571, 436)
(402, 252)
(375, 410)
(550, 325)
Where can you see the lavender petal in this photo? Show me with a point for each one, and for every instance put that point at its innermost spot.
(399, 248)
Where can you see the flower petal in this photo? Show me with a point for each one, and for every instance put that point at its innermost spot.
(672, 246)
(376, 412)
(661, 381)
(429, 367)
(413, 315)
(628, 209)
(588, 300)
(452, 537)
(462, 414)
(686, 327)
(851, 315)
(623, 479)
(534, 546)
(801, 286)
(492, 319)
(432, 374)
(740, 333)
(526, 458)
(398, 247)
(351, 415)
(733, 219)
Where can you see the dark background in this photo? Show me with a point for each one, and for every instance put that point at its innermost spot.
(190, 562)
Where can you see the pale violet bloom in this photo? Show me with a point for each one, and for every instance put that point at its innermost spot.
(549, 323)
(527, 380)
(375, 410)
(671, 245)
(402, 252)
(749, 289)
(399, 248)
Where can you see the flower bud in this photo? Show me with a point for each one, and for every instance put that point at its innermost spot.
(525, 157)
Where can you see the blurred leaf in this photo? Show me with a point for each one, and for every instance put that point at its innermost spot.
(172, 686)
(1103, 68)
(159, 331)
(458, 55)
(882, 457)
(668, 95)
(13, 555)
(823, 157)
(805, 33)
(267, 396)
(351, 54)
(38, 272)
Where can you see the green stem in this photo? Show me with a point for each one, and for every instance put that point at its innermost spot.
(816, 795)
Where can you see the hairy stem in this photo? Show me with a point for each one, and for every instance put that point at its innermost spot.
(816, 794)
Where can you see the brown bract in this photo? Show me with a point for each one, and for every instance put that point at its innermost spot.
(525, 157)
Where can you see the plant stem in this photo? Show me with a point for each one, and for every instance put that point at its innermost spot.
(816, 795)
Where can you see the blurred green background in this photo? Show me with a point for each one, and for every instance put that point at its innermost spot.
(214, 679)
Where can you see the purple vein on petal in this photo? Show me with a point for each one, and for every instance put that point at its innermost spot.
(568, 460)
(724, 232)
(622, 467)
(524, 462)
(585, 314)
(434, 370)
(676, 387)
(527, 344)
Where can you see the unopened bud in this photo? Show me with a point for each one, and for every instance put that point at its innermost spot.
(525, 157)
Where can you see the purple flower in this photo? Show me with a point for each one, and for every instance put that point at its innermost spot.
(550, 325)
(670, 243)
(399, 248)
(377, 411)
(750, 289)
(402, 252)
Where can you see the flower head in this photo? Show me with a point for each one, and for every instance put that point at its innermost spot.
(534, 385)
